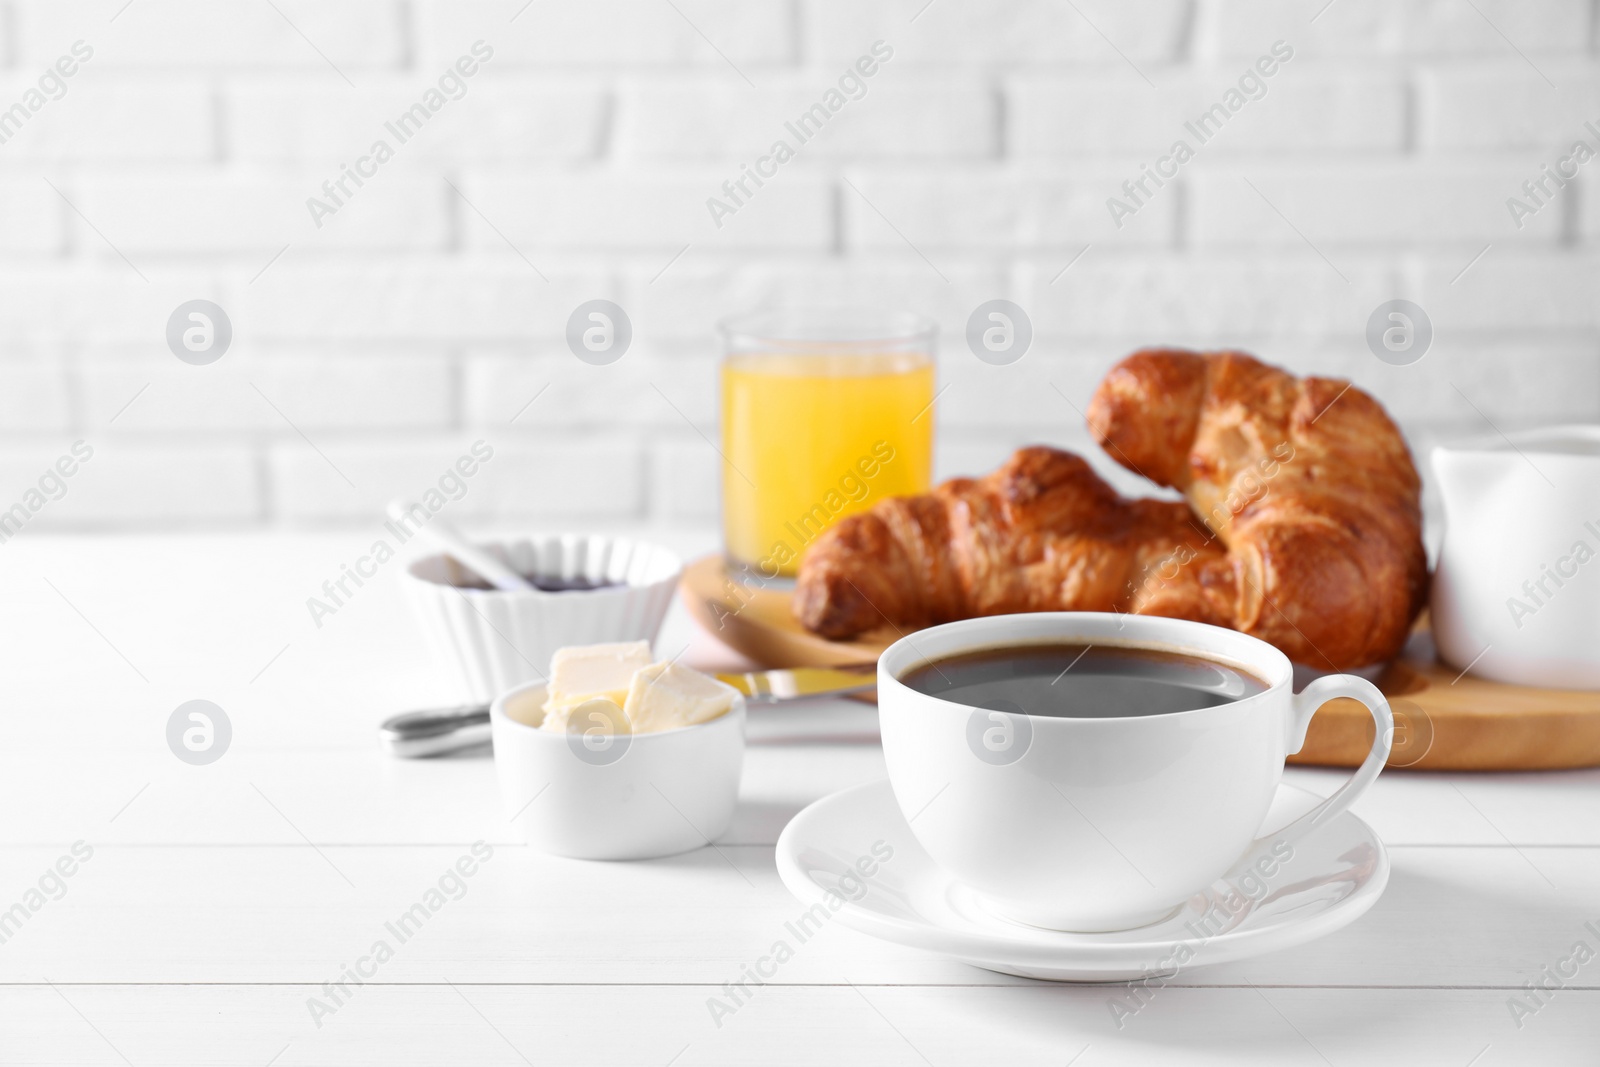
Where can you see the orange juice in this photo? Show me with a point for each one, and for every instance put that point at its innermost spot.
(809, 438)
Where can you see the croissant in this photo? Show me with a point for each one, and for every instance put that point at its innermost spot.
(1305, 528)
(1307, 482)
(1041, 533)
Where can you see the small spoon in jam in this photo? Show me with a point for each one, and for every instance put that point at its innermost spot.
(449, 540)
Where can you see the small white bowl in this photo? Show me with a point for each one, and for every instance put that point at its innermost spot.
(491, 640)
(615, 797)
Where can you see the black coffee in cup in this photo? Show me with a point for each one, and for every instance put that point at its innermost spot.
(1081, 681)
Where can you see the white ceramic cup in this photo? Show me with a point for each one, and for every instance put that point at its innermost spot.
(615, 797)
(1107, 823)
(1516, 594)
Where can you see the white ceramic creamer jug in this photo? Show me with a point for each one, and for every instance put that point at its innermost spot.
(1517, 591)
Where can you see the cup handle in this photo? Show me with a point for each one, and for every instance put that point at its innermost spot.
(1305, 705)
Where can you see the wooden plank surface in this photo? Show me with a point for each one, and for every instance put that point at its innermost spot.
(360, 796)
(625, 1026)
(1452, 916)
(220, 898)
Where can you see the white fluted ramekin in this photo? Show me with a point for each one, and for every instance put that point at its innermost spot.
(492, 640)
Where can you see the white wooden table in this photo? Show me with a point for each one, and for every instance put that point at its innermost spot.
(219, 899)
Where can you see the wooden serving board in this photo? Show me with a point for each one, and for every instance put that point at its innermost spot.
(1444, 720)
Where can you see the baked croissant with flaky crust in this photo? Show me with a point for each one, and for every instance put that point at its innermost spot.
(1307, 482)
(1305, 528)
(1042, 533)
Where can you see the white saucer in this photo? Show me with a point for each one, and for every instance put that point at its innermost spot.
(1335, 875)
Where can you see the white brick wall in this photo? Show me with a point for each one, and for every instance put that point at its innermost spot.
(1313, 113)
(427, 312)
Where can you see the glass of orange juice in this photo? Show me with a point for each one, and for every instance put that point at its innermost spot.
(824, 413)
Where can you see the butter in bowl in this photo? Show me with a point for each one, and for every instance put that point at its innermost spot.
(617, 757)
